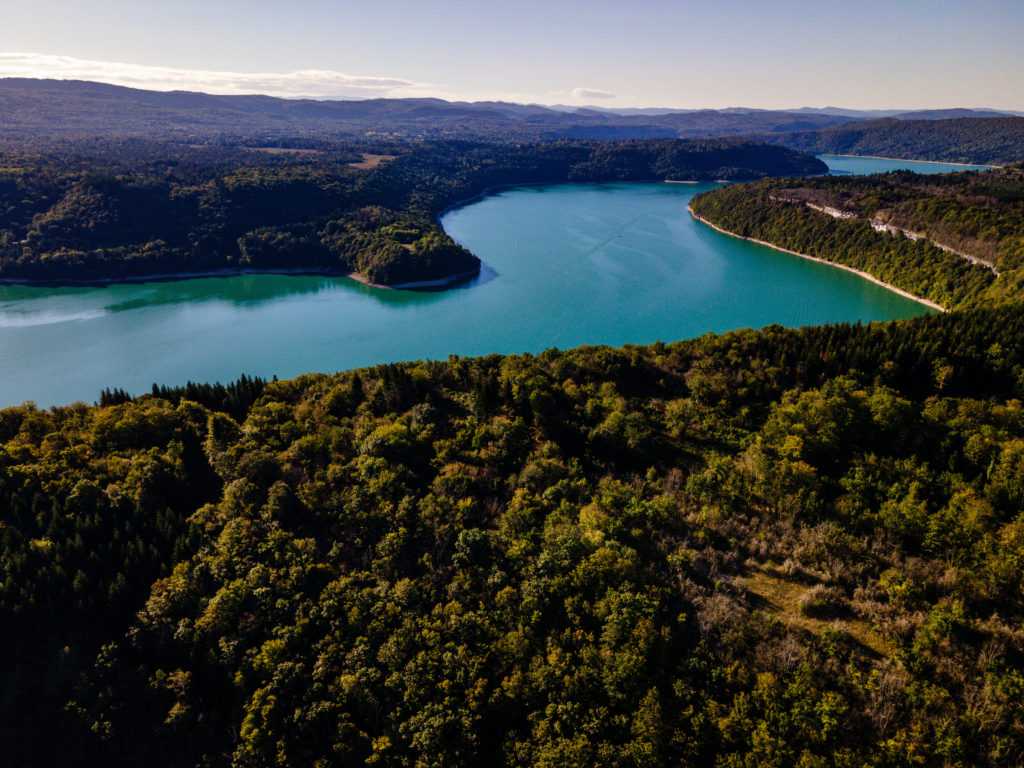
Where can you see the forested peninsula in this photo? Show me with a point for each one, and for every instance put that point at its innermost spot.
(954, 239)
(109, 211)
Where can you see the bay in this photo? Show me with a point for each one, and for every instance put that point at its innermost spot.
(565, 265)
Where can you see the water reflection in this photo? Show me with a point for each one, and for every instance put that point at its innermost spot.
(22, 305)
(610, 264)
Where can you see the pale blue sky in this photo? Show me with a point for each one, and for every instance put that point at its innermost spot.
(714, 53)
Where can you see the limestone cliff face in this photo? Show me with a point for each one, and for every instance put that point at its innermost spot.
(880, 223)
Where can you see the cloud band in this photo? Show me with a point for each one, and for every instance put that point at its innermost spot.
(307, 83)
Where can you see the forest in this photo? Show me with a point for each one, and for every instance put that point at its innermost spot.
(784, 547)
(976, 215)
(771, 548)
(986, 140)
(979, 214)
(94, 211)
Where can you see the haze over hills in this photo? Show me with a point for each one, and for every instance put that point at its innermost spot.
(62, 109)
(67, 108)
(51, 107)
(866, 114)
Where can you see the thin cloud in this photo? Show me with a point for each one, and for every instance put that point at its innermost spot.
(591, 93)
(306, 83)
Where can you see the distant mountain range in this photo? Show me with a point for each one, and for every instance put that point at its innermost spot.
(42, 110)
(858, 114)
(57, 108)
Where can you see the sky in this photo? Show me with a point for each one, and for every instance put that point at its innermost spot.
(908, 54)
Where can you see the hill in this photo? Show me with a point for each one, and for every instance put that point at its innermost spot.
(772, 547)
(777, 547)
(955, 239)
(35, 109)
(991, 140)
(113, 211)
(949, 114)
(860, 114)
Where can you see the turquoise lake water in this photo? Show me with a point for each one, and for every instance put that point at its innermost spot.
(565, 265)
(845, 164)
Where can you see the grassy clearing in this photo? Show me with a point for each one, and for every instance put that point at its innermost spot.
(369, 162)
(780, 594)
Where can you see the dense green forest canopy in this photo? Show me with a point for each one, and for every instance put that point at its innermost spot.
(782, 548)
(980, 214)
(956, 239)
(987, 140)
(80, 211)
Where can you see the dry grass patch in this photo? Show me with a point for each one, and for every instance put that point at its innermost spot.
(789, 598)
(369, 162)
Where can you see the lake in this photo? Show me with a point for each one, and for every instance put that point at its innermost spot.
(565, 265)
(841, 165)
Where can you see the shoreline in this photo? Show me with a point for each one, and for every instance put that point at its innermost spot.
(498, 188)
(437, 283)
(440, 282)
(170, 277)
(481, 195)
(860, 273)
(909, 160)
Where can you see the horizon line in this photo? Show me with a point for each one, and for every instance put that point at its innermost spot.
(554, 105)
(319, 84)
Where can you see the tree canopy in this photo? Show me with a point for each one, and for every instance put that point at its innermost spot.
(956, 239)
(85, 214)
(784, 547)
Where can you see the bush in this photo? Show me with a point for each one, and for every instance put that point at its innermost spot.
(822, 602)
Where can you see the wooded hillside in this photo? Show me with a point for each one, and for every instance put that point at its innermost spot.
(956, 239)
(767, 548)
(81, 212)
